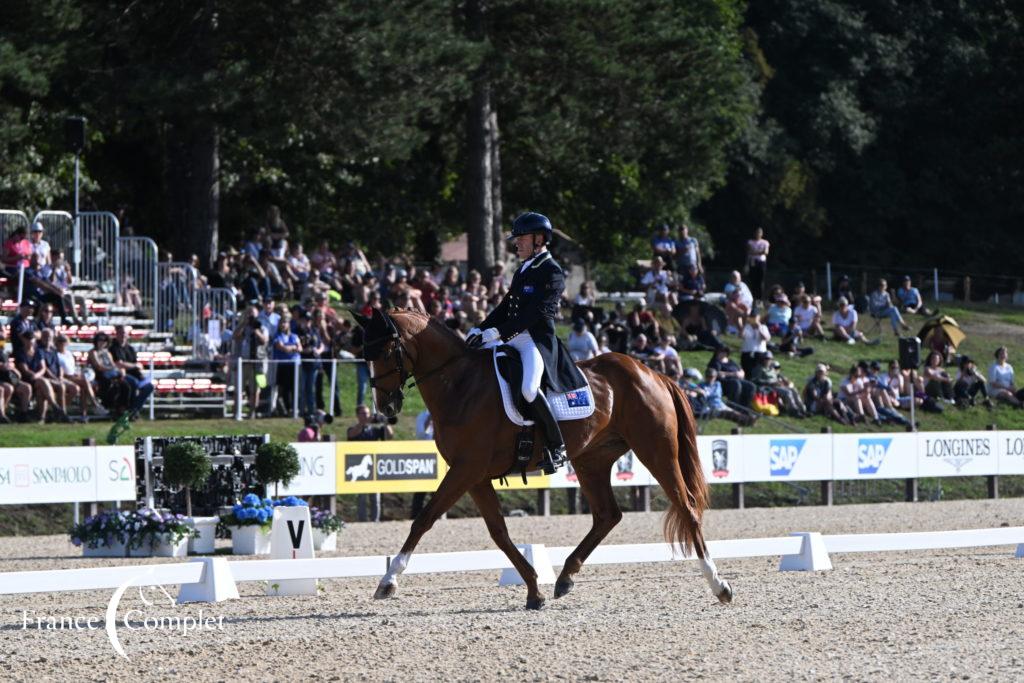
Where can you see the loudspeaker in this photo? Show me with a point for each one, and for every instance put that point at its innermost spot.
(74, 134)
(910, 352)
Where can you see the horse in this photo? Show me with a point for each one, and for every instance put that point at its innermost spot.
(635, 408)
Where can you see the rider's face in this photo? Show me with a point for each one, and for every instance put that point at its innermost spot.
(524, 246)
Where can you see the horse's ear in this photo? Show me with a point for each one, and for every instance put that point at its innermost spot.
(360, 319)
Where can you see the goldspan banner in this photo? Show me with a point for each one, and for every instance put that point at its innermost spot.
(388, 466)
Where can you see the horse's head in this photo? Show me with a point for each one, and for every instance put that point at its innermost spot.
(388, 359)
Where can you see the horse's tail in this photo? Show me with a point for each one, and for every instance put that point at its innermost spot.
(690, 498)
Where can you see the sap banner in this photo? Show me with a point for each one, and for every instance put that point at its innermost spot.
(317, 466)
(956, 454)
(781, 457)
(66, 475)
(874, 456)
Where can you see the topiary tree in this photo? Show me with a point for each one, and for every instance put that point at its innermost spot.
(277, 463)
(186, 464)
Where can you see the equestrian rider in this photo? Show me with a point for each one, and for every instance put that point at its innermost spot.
(525, 320)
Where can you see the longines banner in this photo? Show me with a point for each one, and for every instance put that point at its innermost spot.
(316, 470)
(66, 475)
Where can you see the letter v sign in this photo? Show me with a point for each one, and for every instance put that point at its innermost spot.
(295, 536)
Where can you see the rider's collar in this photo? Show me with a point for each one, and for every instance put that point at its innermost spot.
(535, 260)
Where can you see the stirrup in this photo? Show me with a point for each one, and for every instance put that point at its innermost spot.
(554, 457)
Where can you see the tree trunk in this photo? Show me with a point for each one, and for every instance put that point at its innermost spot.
(497, 215)
(193, 189)
(479, 197)
(188, 502)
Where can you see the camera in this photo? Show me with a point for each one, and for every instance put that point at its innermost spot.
(381, 419)
(317, 419)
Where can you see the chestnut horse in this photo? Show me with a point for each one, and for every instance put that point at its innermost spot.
(636, 409)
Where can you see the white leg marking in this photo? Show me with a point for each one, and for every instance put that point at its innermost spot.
(718, 585)
(398, 564)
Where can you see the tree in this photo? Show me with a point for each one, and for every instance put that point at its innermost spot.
(276, 463)
(186, 465)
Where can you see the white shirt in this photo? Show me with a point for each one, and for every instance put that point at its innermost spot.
(582, 346)
(848, 321)
(657, 280)
(755, 339)
(42, 250)
(1000, 376)
(67, 363)
(804, 316)
(667, 351)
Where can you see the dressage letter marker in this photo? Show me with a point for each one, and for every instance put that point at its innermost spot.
(291, 538)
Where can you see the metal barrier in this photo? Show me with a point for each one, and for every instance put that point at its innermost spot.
(176, 284)
(272, 370)
(137, 267)
(60, 233)
(98, 233)
(10, 220)
(213, 312)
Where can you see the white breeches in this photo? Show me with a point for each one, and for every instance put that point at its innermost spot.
(533, 364)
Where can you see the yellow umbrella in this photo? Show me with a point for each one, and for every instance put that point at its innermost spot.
(945, 326)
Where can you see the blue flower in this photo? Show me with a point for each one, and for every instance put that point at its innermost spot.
(251, 500)
(268, 503)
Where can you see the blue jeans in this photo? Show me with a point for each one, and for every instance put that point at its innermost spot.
(362, 381)
(894, 316)
(138, 393)
(307, 384)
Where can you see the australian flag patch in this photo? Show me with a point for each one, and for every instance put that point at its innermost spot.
(577, 399)
(527, 289)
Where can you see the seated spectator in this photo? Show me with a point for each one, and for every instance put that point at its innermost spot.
(642, 321)
(666, 348)
(937, 382)
(779, 317)
(691, 287)
(715, 407)
(474, 295)
(820, 400)
(617, 333)
(687, 251)
(581, 343)
(63, 387)
(497, 284)
(843, 289)
(12, 388)
(735, 312)
(856, 394)
(603, 345)
(31, 363)
(970, 383)
(645, 353)
(755, 343)
(767, 376)
(807, 318)
(735, 386)
(909, 298)
(126, 359)
(299, 263)
(657, 280)
(663, 246)
(904, 384)
(451, 286)
(1000, 379)
(736, 284)
(690, 384)
(17, 253)
(800, 290)
(845, 321)
(881, 306)
(885, 398)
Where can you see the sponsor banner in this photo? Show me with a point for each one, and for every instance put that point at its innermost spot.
(116, 475)
(387, 466)
(784, 457)
(534, 480)
(721, 457)
(884, 455)
(316, 470)
(49, 475)
(952, 454)
(1011, 452)
(627, 471)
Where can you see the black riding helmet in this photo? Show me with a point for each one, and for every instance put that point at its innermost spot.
(530, 222)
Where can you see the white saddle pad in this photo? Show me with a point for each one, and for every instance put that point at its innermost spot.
(572, 405)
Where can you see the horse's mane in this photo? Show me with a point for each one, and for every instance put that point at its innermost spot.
(431, 322)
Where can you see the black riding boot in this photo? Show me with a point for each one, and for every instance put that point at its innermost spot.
(555, 450)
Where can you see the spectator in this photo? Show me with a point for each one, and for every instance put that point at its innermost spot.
(937, 382)
(691, 287)
(63, 387)
(757, 263)
(755, 343)
(735, 386)
(690, 384)
(642, 321)
(909, 298)
(497, 286)
(644, 352)
(286, 355)
(474, 295)
(21, 323)
(17, 253)
(881, 306)
(970, 383)
(714, 405)
(127, 360)
(12, 388)
(112, 388)
(40, 247)
(845, 321)
(451, 286)
(807, 318)
(369, 428)
(819, 399)
(587, 297)
(657, 280)
(617, 333)
(251, 339)
(71, 372)
(779, 316)
(687, 251)
(44, 319)
(602, 344)
(766, 375)
(1000, 379)
(299, 264)
(310, 347)
(736, 284)
(32, 366)
(581, 342)
(666, 348)
(663, 246)
(856, 393)
(886, 400)
(735, 312)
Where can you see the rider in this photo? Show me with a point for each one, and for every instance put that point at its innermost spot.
(525, 320)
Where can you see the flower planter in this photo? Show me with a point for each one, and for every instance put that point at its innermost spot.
(116, 549)
(207, 528)
(161, 546)
(327, 542)
(251, 539)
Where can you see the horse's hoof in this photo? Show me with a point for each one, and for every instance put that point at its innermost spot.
(725, 597)
(534, 603)
(563, 586)
(385, 590)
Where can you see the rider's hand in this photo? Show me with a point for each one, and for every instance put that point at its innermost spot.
(475, 332)
(490, 334)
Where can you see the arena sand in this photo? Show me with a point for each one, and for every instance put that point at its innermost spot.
(891, 616)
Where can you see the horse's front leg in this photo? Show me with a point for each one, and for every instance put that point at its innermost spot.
(490, 509)
(455, 483)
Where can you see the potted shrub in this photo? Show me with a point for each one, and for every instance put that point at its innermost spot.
(276, 463)
(187, 466)
(102, 535)
(326, 525)
(158, 534)
(249, 524)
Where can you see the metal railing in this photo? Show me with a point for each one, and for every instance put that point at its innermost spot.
(137, 268)
(98, 233)
(213, 311)
(176, 283)
(11, 220)
(275, 367)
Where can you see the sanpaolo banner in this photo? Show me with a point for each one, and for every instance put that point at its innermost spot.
(66, 475)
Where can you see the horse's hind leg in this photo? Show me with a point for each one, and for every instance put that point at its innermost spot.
(490, 509)
(455, 483)
(595, 481)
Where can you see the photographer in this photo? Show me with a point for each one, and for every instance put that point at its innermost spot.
(370, 427)
(312, 423)
(251, 340)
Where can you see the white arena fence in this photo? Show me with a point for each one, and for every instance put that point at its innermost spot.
(210, 579)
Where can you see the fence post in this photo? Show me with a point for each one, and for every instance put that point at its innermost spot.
(863, 284)
(827, 487)
(238, 388)
(295, 390)
(911, 491)
(152, 396)
(828, 279)
(967, 287)
(992, 480)
(334, 385)
(737, 489)
(935, 282)
(544, 502)
(641, 498)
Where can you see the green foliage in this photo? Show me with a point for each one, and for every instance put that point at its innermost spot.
(276, 463)
(186, 464)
